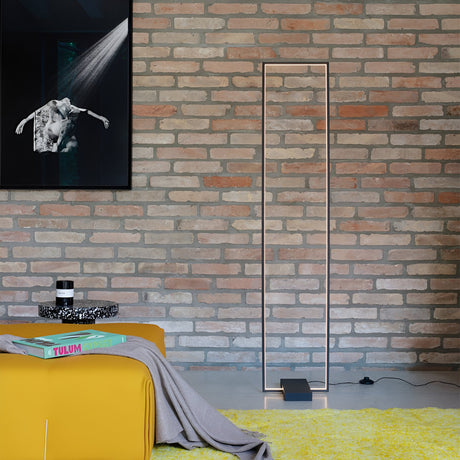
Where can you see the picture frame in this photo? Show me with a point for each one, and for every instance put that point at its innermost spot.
(65, 99)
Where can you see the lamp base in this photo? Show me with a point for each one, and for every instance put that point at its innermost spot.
(296, 390)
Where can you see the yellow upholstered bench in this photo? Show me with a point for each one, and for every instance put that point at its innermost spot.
(88, 407)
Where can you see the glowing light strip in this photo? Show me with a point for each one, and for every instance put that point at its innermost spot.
(263, 212)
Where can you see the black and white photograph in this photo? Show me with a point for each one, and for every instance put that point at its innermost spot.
(65, 94)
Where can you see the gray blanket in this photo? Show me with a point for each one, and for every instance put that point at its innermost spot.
(182, 416)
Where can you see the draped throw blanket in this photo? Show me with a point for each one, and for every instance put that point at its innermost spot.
(182, 416)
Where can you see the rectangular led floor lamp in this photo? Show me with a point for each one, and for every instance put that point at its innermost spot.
(295, 228)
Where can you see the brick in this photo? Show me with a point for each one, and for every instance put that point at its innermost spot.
(401, 284)
(188, 284)
(355, 197)
(193, 196)
(168, 238)
(432, 299)
(390, 39)
(385, 182)
(282, 8)
(437, 125)
(64, 210)
(141, 8)
(439, 39)
(305, 24)
(140, 38)
(439, 9)
(444, 240)
(253, 23)
(239, 283)
(443, 358)
(451, 343)
(356, 254)
(398, 96)
(338, 8)
(436, 212)
(359, 24)
(135, 282)
(366, 226)
(414, 52)
(118, 210)
(366, 111)
(363, 342)
(415, 139)
(12, 236)
(141, 311)
(434, 328)
(419, 226)
(88, 253)
(409, 197)
(225, 67)
(338, 38)
(377, 299)
(391, 357)
(227, 182)
(449, 197)
(199, 23)
(389, 67)
(203, 224)
(195, 253)
(114, 237)
(375, 327)
(344, 357)
(226, 210)
(409, 23)
(357, 53)
(367, 81)
(431, 269)
(393, 212)
(162, 268)
(241, 38)
(292, 38)
(197, 167)
(304, 53)
(441, 96)
(214, 268)
(150, 23)
(232, 8)
(180, 8)
(173, 67)
(411, 314)
(23, 311)
(221, 326)
(361, 168)
(154, 110)
(378, 269)
(357, 138)
(396, 153)
(54, 267)
(201, 139)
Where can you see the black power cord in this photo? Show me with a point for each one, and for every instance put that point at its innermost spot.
(368, 381)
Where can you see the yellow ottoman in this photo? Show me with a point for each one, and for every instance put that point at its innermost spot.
(87, 407)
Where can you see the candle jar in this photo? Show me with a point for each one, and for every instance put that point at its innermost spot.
(64, 293)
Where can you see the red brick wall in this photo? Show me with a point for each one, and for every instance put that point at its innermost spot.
(181, 249)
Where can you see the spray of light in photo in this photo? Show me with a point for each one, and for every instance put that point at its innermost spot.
(86, 71)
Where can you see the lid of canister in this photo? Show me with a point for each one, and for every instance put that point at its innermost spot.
(64, 284)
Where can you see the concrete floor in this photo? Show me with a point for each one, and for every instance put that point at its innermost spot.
(243, 390)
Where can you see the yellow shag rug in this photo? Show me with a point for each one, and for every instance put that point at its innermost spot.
(432, 434)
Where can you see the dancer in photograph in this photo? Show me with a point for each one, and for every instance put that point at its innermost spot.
(55, 126)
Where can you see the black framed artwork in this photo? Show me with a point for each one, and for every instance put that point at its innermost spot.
(65, 94)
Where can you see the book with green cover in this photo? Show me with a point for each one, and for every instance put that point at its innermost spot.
(70, 343)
